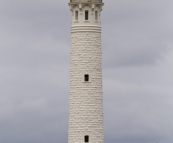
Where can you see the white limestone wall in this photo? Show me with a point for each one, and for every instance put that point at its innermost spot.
(86, 101)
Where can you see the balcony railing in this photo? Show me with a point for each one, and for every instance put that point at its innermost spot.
(99, 1)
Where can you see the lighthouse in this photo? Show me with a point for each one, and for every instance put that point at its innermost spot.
(86, 96)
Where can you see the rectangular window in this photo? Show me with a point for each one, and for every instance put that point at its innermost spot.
(86, 77)
(96, 15)
(86, 138)
(76, 15)
(86, 14)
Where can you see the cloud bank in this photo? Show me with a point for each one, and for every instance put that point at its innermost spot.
(137, 71)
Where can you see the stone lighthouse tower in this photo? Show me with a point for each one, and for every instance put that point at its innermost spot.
(86, 101)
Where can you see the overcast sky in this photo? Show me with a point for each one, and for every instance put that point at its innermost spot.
(137, 41)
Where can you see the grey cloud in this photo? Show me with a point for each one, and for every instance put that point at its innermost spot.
(138, 32)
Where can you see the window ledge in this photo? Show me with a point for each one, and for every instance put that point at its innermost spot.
(76, 21)
(86, 21)
(86, 81)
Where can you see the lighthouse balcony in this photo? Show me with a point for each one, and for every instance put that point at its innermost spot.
(85, 1)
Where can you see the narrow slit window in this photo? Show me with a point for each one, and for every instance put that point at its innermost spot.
(86, 77)
(86, 15)
(76, 15)
(96, 15)
(86, 138)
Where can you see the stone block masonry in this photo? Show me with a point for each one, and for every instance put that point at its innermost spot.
(86, 100)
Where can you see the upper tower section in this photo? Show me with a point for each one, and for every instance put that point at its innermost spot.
(86, 12)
